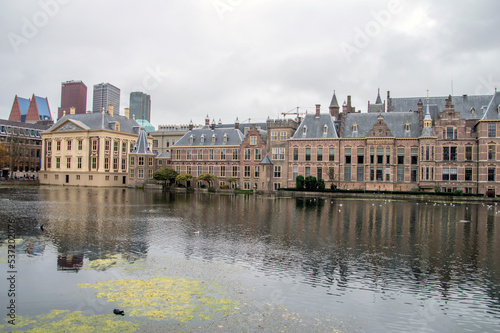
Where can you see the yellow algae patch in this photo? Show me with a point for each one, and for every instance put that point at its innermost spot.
(103, 264)
(65, 321)
(163, 298)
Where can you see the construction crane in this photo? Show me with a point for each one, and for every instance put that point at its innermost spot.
(296, 111)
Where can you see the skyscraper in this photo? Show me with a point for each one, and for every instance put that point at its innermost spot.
(140, 105)
(73, 94)
(105, 94)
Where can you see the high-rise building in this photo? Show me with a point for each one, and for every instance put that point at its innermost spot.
(105, 94)
(73, 94)
(140, 105)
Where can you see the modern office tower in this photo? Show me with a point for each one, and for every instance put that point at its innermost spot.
(140, 105)
(105, 94)
(73, 94)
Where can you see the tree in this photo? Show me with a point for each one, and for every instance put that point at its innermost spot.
(231, 180)
(321, 184)
(4, 156)
(165, 174)
(184, 177)
(209, 178)
(299, 182)
(331, 175)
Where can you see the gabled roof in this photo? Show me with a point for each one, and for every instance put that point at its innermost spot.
(395, 122)
(315, 127)
(491, 112)
(142, 144)
(463, 104)
(96, 120)
(234, 137)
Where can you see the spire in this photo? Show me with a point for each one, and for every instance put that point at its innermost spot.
(379, 100)
(142, 144)
(334, 103)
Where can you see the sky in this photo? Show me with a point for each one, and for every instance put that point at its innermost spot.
(249, 59)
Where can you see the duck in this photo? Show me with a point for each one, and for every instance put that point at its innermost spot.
(119, 312)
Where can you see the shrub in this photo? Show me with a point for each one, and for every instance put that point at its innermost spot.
(321, 184)
(299, 182)
(311, 183)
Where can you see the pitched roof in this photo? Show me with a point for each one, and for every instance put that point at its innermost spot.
(492, 111)
(24, 105)
(96, 120)
(314, 127)
(463, 104)
(266, 160)
(194, 136)
(142, 145)
(334, 102)
(43, 108)
(164, 154)
(395, 122)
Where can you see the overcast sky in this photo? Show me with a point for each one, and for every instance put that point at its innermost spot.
(251, 58)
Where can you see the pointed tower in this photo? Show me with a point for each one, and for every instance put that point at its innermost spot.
(142, 166)
(379, 100)
(334, 107)
(427, 130)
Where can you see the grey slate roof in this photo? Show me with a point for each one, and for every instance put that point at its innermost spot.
(263, 134)
(242, 125)
(142, 144)
(395, 122)
(266, 160)
(164, 154)
(20, 124)
(463, 104)
(376, 108)
(95, 121)
(492, 109)
(234, 137)
(334, 102)
(314, 127)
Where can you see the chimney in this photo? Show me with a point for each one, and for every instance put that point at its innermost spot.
(110, 109)
(318, 106)
(388, 101)
(127, 113)
(420, 106)
(349, 102)
(191, 125)
(64, 113)
(237, 123)
(207, 121)
(133, 116)
(72, 110)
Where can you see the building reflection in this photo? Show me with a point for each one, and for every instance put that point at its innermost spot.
(70, 262)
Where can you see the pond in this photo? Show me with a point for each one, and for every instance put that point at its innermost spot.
(202, 262)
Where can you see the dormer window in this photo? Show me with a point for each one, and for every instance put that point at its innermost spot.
(202, 138)
(304, 130)
(473, 111)
(224, 139)
(213, 138)
(191, 138)
(325, 130)
(355, 127)
(407, 127)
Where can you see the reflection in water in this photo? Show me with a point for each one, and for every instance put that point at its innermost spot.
(434, 266)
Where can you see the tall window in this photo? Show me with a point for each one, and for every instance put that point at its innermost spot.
(235, 154)
(360, 174)
(58, 162)
(308, 171)
(222, 154)
(247, 171)
(492, 149)
(256, 172)
(347, 156)
(468, 174)
(401, 175)
(211, 154)
(211, 169)
(223, 171)
(115, 146)
(200, 169)
(188, 154)
(253, 140)
(450, 133)
(275, 153)
(401, 156)
(380, 155)
(106, 163)
(446, 174)
(331, 154)
(94, 162)
(79, 163)
(295, 172)
(492, 130)
(319, 154)
(68, 147)
(379, 174)
(295, 154)
(49, 145)
(347, 173)
(178, 154)
(68, 162)
(387, 174)
(468, 153)
(115, 163)
(282, 153)
(141, 160)
(235, 171)
(283, 136)
(58, 145)
(361, 156)
(388, 155)
(274, 136)
(414, 155)
(94, 145)
(277, 171)
(413, 174)
(150, 162)
(258, 154)
(200, 154)
(107, 144)
(308, 154)
(319, 173)
(491, 174)
(80, 144)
